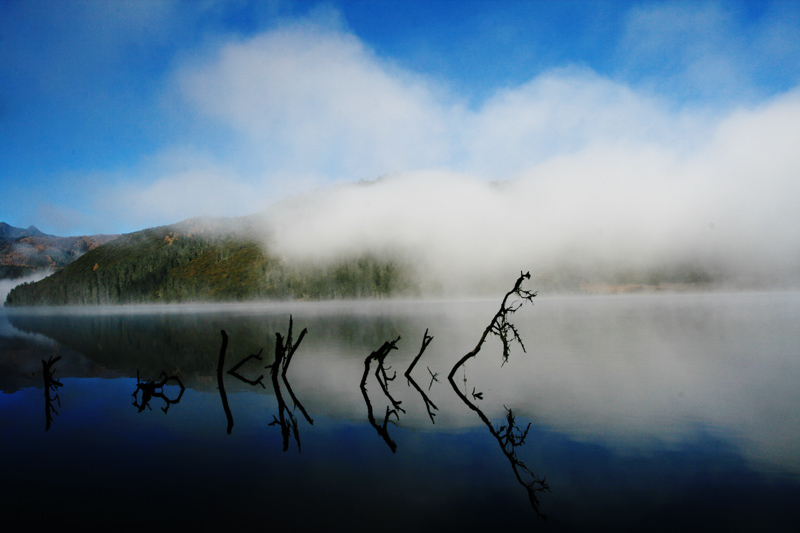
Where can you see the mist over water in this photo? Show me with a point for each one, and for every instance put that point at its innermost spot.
(638, 406)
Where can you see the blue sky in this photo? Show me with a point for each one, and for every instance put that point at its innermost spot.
(115, 116)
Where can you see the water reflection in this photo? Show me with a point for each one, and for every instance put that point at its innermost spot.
(284, 351)
(429, 405)
(51, 384)
(150, 389)
(632, 406)
(379, 356)
(221, 382)
(508, 436)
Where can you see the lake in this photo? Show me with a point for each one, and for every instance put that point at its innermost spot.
(640, 412)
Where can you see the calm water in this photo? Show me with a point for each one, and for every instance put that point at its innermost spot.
(673, 411)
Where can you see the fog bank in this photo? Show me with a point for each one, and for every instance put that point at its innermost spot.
(7, 284)
(612, 212)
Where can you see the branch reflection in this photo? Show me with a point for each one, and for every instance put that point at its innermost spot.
(51, 384)
(284, 351)
(509, 436)
(379, 356)
(155, 389)
(429, 405)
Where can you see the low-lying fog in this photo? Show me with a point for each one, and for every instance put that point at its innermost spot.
(636, 218)
(7, 284)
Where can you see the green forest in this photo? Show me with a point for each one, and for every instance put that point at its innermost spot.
(181, 264)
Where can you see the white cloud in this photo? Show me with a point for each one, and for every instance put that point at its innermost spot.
(598, 171)
(710, 52)
(728, 204)
(310, 98)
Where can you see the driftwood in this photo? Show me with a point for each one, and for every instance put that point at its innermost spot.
(221, 381)
(284, 351)
(233, 371)
(500, 325)
(429, 405)
(155, 389)
(379, 356)
(508, 436)
(51, 384)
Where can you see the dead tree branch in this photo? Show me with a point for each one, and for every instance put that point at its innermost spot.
(379, 355)
(429, 405)
(508, 436)
(155, 389)
(221, 383)
(500, 324)
(233, 371)
(284, 351)
(51, 384)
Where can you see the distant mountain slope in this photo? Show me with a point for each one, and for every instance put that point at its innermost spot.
(200, 260)
(24, 251)
(11, 233)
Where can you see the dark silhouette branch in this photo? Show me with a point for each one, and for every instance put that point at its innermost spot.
(51, 384)
(500, 325)
(508, 436)
(155, 389)
(426, 340)
(379, 355)
(221, 383)
(233, 371)
(429, 405)
(284, 351)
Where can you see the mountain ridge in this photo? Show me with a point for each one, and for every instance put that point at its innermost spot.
(9, 232)
(205, 259)
(25, 251)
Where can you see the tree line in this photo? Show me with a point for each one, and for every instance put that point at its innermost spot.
(166, 264)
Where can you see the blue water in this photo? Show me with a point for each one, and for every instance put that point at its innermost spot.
(645, 412)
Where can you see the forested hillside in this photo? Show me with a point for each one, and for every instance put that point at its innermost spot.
(195, 261)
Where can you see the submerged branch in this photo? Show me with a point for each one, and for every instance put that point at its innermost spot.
(508, 436)
(233, 371)
(51, 384)
(155, 389)
(379, 355)
(221, 382)
(284, 351)
(500, 325)
(429, 405)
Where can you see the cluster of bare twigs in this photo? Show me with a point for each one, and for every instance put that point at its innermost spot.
(510, 436)
(383, 378)
(155, 389)
(500, 324)
(284, 351)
